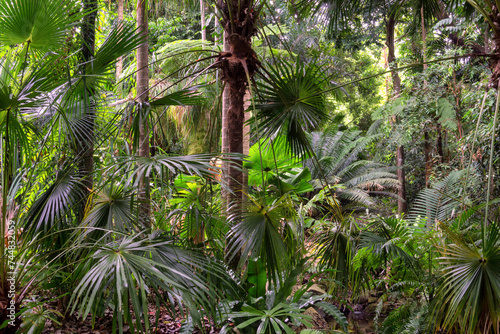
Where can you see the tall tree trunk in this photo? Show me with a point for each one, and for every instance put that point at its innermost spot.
(424, 36)
(237, 66)
(391, 53)
(396, 84)
(142, 99)
(427, 141)
(85, 147)
(236, 115)
(203, 23)
(217, 29)
(225, 136)
(119, 63)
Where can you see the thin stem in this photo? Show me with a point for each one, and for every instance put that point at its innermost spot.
(5, 181)
(490, 169)
(474, 142)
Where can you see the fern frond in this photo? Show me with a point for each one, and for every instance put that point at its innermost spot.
(332, 310)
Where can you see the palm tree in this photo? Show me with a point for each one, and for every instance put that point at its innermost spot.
(142, 99)
(86, 147)
(238, 66)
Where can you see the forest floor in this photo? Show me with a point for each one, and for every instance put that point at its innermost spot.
(360, 314)
(166, 325)
(360, 319)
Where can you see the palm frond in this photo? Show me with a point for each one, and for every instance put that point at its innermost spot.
(53, 204)
(292, 103)
(139, 167)
(258, 234)
(124, 269)
(339, 317)
(41, 24)
(112, 211)
(469, 295)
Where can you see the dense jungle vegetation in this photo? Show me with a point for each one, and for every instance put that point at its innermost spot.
(249, 166)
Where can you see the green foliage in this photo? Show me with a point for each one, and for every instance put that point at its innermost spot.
(305, 172)
(256, 276)
(41, 25)
(292, 103)
(408, 318)
(122, 273)
(35, 317)
(272, 169)
(163, 30)
(335, 312)
(258, 235)
(468, 296)
(337, 161)
(278, 309)
(441, 201)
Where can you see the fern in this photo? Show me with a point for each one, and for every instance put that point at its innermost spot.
(336, 313)
(441, 201)
(311, 331)
(396, 320)
(187, 326)
(418, 322)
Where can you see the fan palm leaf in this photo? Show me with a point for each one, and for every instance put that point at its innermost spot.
(469, 297)
(112, 211)
(139, 167)
(53, 204)
(258, 234)
(292, 103)
(41, 24)
(122, 273)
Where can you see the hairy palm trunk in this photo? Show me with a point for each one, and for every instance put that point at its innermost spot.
(142, 99)
(238, 66)
(86, 146)
(396, 84)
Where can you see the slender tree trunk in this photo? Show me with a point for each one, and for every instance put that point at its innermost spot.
(203, 27)
(216, 28)
(396, 84)
(400, 156)
(246, 137)
(225, 137)
(142, 109)
(236, 115)
(391, 53)
(119, 63)
(439, 143)
(424, 36)
(427, 157)
(85, 148)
